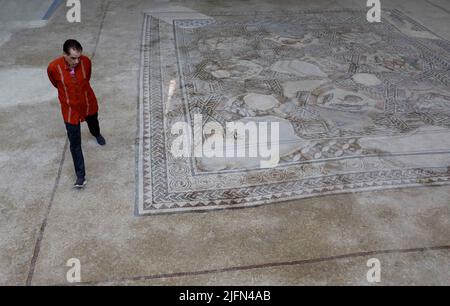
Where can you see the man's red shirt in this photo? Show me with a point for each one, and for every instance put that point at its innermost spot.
(75, 94)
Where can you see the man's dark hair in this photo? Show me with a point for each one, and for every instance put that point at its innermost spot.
(72, 44)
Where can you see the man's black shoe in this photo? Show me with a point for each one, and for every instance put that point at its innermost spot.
(80, 183)
(100, 140)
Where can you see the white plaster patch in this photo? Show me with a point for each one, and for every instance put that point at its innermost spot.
(298, 68)
(221, 74)
(367, 79)
(25, 86)
(289, 142)
(260, 102)
(424, 139)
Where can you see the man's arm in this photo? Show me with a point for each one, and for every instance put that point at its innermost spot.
(50, 76)
(89, 69)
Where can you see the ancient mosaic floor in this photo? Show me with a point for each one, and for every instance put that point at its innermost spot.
(361, 106)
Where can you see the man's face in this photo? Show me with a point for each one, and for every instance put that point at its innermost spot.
(73, 58)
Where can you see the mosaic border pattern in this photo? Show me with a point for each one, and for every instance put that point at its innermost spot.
(156, 195)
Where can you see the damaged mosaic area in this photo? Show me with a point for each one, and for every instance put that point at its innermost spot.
(361, 106)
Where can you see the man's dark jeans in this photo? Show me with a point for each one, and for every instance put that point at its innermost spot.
(74, 134)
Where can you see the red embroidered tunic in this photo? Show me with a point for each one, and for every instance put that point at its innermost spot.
(75, 94)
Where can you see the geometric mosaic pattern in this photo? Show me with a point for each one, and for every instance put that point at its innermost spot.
(369, 104)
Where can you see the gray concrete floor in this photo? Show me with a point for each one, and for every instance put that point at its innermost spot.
(44, 222)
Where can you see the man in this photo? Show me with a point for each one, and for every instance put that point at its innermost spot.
(71, 74)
